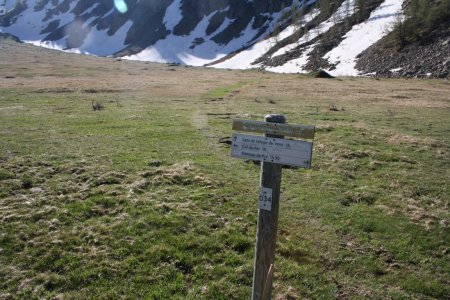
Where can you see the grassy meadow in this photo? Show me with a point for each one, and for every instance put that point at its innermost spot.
(139, 200)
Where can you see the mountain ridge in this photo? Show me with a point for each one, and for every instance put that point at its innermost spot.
(289, 36)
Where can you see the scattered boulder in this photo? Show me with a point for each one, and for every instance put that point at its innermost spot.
(321, 74)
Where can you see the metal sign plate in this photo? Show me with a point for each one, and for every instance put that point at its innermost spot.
(267, 149)
(301, 131)
(265, 198)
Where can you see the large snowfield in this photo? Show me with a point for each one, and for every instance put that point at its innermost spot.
(197, 48)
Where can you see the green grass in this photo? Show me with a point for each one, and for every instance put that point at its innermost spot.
(139, 200)
(225, 90)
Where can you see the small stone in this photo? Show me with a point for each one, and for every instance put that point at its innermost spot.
(395, 266)
(36, 190)
(58, 297)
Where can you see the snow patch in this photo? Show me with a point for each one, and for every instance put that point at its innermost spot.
(227, 22)
(297, 65)
(362, 36)
(396, 70)
(303, 39)
(197, 48)
(28, 25)
(179, 48)
(100, 43)
(97, 42)
(245, 58)
(7, 5)
(345, 9)
(65, 18)
(148, 54)
(91, 9)
(294, 65)
(173, 15)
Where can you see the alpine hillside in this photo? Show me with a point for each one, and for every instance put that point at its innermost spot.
(286, 36)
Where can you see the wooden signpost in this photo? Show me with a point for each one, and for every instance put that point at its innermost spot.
(273, 151)
(300, 131)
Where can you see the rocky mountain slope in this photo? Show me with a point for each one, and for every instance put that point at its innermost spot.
(344, 37)
(426, 58)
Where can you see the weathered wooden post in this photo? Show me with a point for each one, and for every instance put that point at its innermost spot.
(273, 151)
(266, 233)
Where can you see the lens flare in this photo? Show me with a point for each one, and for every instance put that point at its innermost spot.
(121, 6)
